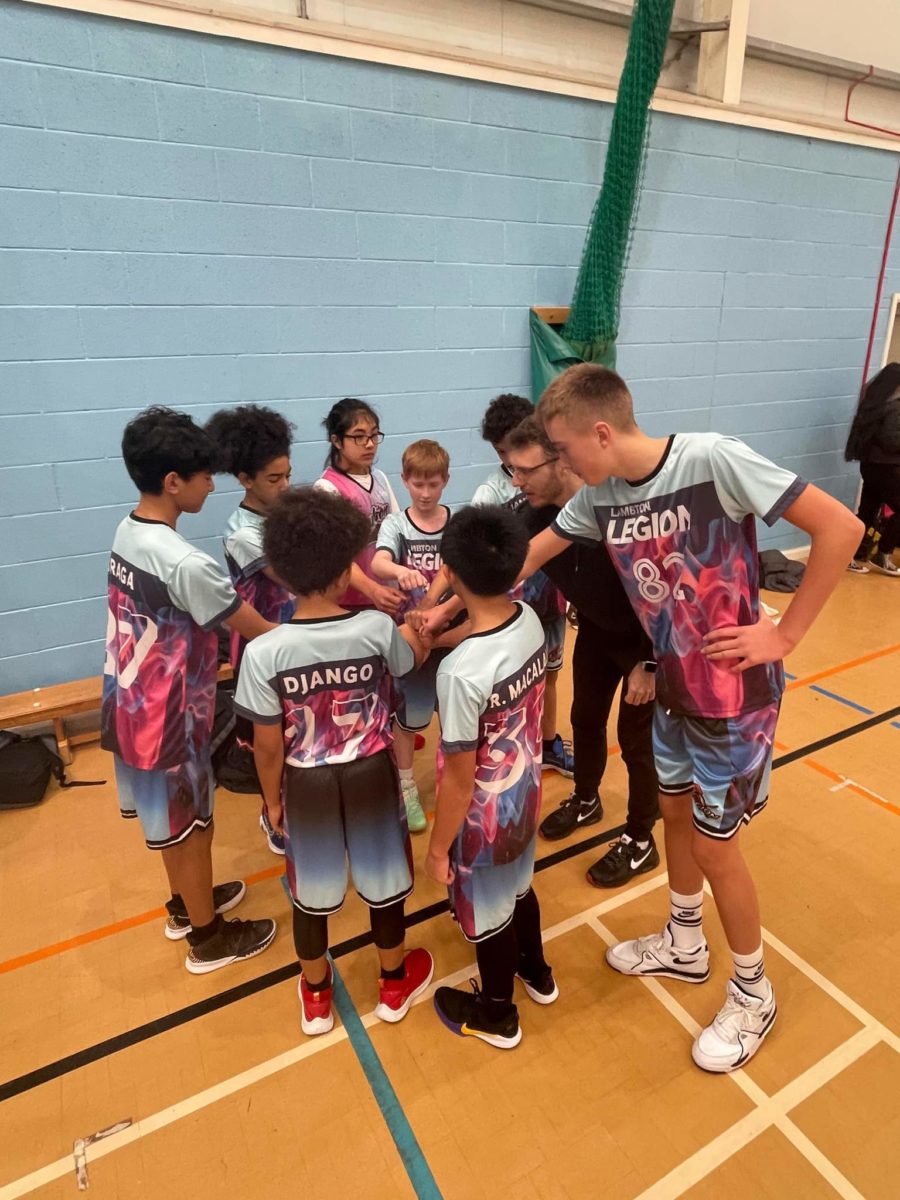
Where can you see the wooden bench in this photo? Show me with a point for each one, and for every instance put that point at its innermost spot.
(58, 701)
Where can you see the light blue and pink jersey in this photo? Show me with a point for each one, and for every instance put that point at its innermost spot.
(159, 678)
(491, 699)
(247, 565)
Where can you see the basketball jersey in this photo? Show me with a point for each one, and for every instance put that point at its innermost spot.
(491, 699)
(159, 679)
(683, 541)
(374, 502)
(246, 562)
(329, 681)
(537, 590)
(414, 548)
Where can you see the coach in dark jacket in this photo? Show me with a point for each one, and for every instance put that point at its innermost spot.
(611, 649)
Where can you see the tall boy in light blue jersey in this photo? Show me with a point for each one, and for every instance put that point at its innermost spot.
(678, 518)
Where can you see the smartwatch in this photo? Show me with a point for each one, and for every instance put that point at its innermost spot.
(649, 666)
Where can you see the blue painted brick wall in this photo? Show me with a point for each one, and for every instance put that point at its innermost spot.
(197, 221)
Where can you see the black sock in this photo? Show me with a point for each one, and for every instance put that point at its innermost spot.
(497, 957)
(202, 933)
(321, 986)
(175, 905)
(549, 743)
(395, 972)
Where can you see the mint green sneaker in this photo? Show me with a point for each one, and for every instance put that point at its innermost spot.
(415, 817)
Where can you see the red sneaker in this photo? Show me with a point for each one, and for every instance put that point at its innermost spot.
(315, 1008)
(396, 995)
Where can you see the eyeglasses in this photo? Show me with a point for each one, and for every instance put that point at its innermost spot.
(525, 473)
(363, 439)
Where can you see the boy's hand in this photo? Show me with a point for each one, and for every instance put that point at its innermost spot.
(749, 645)
(409, 579)
(386, 599)
(430, 623)
(275, 813)
(641, 686)
(437, 867)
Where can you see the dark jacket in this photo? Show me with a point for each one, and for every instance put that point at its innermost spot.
(585, 575)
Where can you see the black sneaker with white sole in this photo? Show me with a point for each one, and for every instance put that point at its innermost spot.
(542, 989)
(465, 1014)
(232, 941)
(226, 896)
(572, 814)
(624, 860)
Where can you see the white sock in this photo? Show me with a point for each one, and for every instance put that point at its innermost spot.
(686, 920)
(405, 773)
(629, 841)
(750, 973)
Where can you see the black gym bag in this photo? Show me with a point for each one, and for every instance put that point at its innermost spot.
(26, 765)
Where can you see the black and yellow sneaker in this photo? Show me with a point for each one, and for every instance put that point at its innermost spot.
(226, 896)
(541, 988)
(465, 1013)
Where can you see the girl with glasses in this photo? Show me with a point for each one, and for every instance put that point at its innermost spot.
(354, 437)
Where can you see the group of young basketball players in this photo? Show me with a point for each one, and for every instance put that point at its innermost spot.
(352, 620)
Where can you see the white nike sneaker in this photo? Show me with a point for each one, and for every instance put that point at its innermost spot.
(737, 1030)
(657, 955)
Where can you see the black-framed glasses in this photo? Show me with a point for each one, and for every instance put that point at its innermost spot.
(525, 473)
(363, 439)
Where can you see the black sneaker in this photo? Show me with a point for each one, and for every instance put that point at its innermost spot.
(572, 814)
(624, 860)
(226, 896)
(464, 1014)
(543, 989)
(232, 941)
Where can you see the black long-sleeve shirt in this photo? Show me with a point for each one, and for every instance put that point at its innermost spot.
(585, 575)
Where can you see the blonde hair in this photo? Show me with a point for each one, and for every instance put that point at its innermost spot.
(426, 457)
(590, 392)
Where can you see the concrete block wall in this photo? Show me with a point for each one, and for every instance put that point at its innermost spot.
(199, 222)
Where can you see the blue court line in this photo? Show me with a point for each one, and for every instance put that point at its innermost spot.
(395, 1118)
(814, 687)
(789, 676)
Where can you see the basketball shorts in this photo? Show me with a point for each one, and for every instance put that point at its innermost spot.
(555, 641)
(483, 899)
(169, 804)
(417, 694)
(725, 764)
(346, 817)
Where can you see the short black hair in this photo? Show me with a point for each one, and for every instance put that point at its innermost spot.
(160, 440)
(249, 437)
(503, 414)
(311, 538)
(486, 546)
(531, 433)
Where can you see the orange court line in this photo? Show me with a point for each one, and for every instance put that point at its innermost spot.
(847, 666)
(104, 931)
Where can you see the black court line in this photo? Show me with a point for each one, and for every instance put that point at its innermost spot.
(142, 1033)
(850, 731)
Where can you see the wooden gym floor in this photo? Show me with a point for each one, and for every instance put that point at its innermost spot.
(102, 1024)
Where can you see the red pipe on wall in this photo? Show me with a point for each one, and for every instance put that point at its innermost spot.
(884, 261)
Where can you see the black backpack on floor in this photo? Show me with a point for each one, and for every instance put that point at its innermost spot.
(26, 765)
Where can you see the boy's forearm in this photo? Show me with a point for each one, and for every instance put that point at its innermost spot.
(384, 567)
(831, 549)
(248, 623)
(439, 585)
(451, 805)
(542, 547)
(269, 768)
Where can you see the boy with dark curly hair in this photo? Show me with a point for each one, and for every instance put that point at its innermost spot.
(319, 692)
(254, 445)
